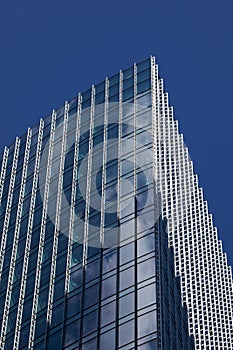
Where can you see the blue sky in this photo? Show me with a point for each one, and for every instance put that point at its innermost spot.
(50, 50)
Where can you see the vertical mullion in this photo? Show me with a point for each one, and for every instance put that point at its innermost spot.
(9, 202)
(104, 163)
(88, 188)
(156, 173)
(73, 195)
(16, 237)
(72, 206)
(57, 218)
(103, 206)
(119, 206)
(3, 171)
(87, 209)
(42, 236)
(154, 120)
(29, 237)
(135, 211)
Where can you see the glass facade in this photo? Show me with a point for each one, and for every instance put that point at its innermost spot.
(84, 259)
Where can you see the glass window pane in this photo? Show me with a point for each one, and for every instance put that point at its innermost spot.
(61, 264)
(86, 95)
(128, 83)
(77, 254)
(108, 313)
(71, 333)
(143, 102)
(143, 138)
(128, 72)
(126, 304)
(147, 324)
(114, 80)
(91, 295)
(57, 315)
(38, 346)
(113, 90)
(126, 253)
(100, 98)
(24, 336)
(145, 85)
(90, 322)
(127, 278)
(107, 340)
(59, 289)
(145, 221)
(99, 87)
(91, 345)
(43, 299)
(73, 103)
(40, 326)
(127, 94)
(109, 261)
(76, 278)
(146, 244)
(54, 340)
(127, 109)
(143, 65)
(127, 230)
(73, 305)
(146, 74)
(152, 345)
(108, 287)
(92, 270)
(126, 333)
(146, 269)
(146, 296)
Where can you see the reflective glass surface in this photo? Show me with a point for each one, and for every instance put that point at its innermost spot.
(81, 247)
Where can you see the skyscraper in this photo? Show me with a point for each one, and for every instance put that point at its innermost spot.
(87, 199)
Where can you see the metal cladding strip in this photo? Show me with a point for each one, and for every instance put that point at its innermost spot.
(42, 235)
(57, 219)
(118, 204)
(167, 155)
(73, 194)
(88, 188)
(9, 201)
(229, 296)
(180, 224)
(213, 272)
(16, 238)
(154, 117)
(155, 98)
(29, 237)
(3, 171)
(119, 146)
(174, 186)
(104, 162)
(156, 120)
(135, 204)
(214, 282)
(222, 294)
(135, 129)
